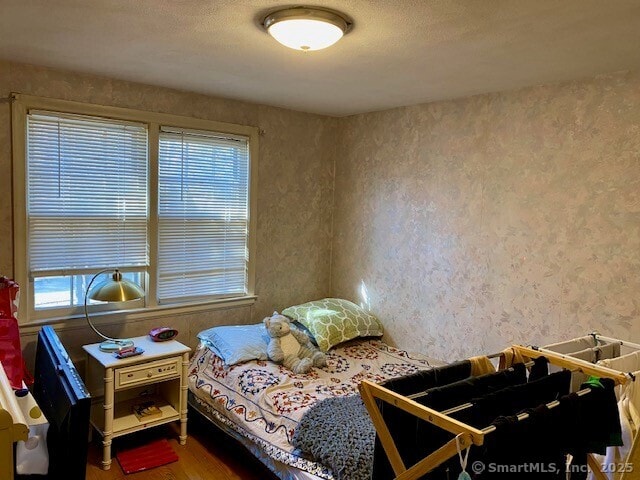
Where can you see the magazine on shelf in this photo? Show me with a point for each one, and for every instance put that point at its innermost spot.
(146, 410)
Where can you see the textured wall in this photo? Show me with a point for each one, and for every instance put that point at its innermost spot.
(295, 183)
(514, 217)
(467, 225)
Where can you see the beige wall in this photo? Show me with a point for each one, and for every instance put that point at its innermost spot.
(295, 183)
(512, 217)
(469, 224)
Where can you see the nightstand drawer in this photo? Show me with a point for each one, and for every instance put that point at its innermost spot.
(151, 372)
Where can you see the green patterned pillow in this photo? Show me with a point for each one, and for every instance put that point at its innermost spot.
(333, 320)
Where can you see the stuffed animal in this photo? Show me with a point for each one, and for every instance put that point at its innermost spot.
(290, 346)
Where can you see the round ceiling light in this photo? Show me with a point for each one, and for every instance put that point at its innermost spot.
(305, 28)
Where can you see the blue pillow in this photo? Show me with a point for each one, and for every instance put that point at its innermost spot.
(237, 343)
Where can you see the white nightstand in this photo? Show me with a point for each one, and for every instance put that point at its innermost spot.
(159, 374)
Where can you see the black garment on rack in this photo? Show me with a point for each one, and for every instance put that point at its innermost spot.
(397, 420)
(457, 393)
(416, 438)
(523, 449)
(605, 429)
(570, 406)
(540, 369)
(504, 404)
(594, 424)
(579, 425)
(512, 400)
(425, 379)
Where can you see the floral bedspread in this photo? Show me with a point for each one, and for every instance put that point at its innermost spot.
(264, 401)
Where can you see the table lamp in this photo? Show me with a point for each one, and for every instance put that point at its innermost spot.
(115, 289)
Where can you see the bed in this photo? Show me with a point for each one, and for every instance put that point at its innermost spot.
(260, 403)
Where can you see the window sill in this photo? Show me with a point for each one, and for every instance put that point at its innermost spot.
(118, 317)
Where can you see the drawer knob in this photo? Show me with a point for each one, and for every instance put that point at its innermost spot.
(149, 374)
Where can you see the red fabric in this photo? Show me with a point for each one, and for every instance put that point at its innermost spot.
(10, 351)
(147, 456)
(9, 298)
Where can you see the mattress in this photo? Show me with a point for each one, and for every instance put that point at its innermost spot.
(281, 470)
(263, 402)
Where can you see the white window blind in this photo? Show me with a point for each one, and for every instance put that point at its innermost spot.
(203, 215)
(86, 193)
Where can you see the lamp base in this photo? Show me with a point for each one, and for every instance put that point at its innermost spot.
(114, 346)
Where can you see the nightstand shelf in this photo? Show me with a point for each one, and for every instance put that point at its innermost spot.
(158, 375)
(125, 421)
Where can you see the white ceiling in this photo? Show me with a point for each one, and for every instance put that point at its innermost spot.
(400, 52)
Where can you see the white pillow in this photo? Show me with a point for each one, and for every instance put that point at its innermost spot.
(237, 343)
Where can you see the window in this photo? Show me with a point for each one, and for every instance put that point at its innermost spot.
(165, 199)
(202, 203)
(86, 202)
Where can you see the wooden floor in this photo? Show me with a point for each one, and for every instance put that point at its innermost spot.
(208, 454)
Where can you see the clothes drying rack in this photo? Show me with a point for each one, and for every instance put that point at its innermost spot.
(633, 456)
(624, 343)
(466, 435)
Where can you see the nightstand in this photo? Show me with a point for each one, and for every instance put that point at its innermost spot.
(159, 375)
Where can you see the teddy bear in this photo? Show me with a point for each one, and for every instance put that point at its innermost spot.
(290, 346)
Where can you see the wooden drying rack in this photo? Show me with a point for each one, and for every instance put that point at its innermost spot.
(466, 434)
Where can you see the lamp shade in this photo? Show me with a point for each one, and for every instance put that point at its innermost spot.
(303, 28)
(116, 289)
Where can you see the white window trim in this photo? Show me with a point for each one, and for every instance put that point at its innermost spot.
(22, 104)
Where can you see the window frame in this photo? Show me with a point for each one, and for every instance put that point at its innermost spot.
(154, 121)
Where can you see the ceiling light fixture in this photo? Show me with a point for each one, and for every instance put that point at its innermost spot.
(306, 28)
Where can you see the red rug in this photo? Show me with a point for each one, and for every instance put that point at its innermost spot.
(147, 456)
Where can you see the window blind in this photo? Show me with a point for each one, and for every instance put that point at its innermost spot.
(87, 193)
(203, 215)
